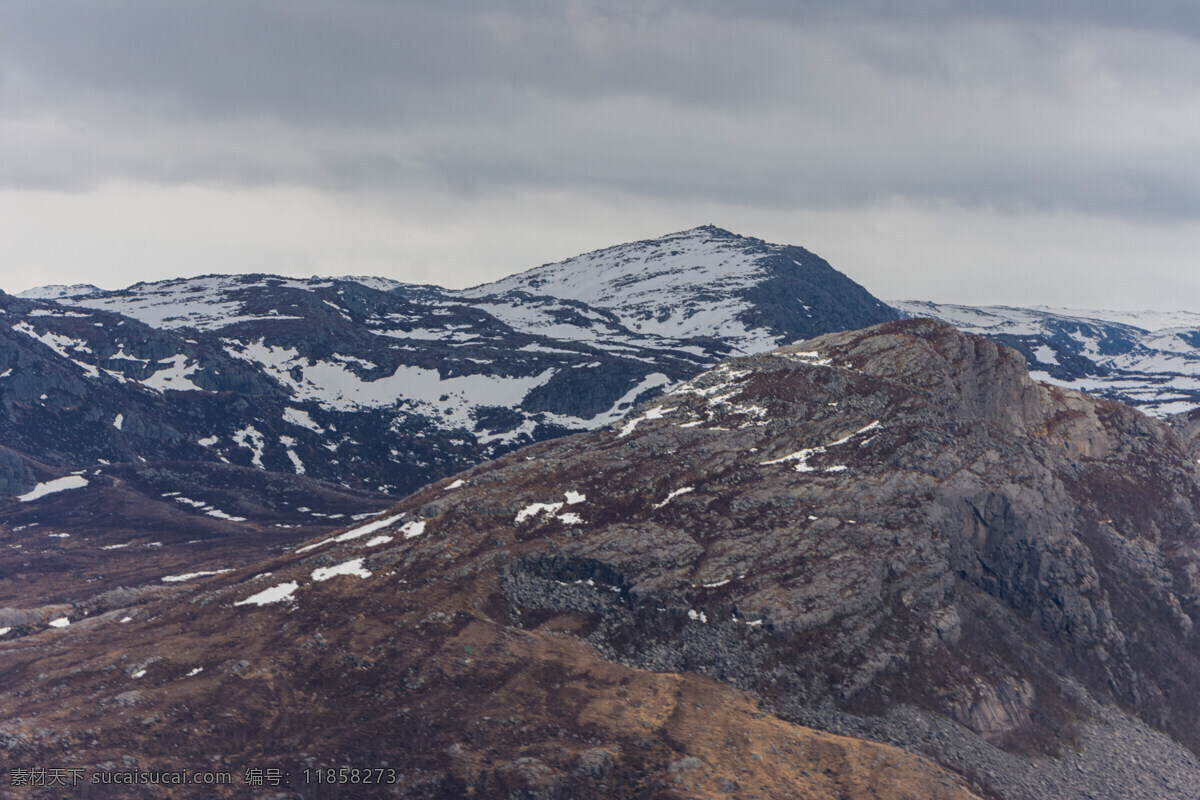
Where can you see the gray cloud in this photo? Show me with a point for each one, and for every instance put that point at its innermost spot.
(1013, 108)
(776, 104)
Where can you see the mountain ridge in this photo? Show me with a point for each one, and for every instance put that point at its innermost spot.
(386, 386)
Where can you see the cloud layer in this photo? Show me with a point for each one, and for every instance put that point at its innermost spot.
(608, 119)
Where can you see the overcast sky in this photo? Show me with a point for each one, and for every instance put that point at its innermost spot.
(976, 152)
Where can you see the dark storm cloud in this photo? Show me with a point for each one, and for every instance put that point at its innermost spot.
(348, 62)
(1006, 105)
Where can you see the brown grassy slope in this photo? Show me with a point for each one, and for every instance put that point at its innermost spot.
(368, 673)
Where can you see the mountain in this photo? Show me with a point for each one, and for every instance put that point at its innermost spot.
(385, 386)
(707, 283)
(1150, 360)
(890, 534)
(168, 431)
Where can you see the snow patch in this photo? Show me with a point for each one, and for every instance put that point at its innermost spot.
(413, 529)
(534, 510)
(176, 376)
(301, 418)
(250, 438)
(672, 495)
(56, 485)
(802, 456)
(354, 533)
(275, 594)
(58, 291)
(657, 412)
(55, 341)
(354, 567)
(1045, 354)
(191, 575)
(809, 357)
(219, 514)
(337, 388)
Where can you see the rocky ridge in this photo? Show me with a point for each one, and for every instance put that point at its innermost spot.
(891, 533)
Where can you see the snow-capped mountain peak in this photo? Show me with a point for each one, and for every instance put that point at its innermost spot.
(704, 282)
(634, 273)
(664, 287)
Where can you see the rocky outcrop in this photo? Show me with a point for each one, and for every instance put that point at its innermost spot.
(999, 712)
(890, 533)
(15, 476)
(872, 520)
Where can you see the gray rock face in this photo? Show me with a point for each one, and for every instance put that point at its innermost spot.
(15, 477)
(872, 523)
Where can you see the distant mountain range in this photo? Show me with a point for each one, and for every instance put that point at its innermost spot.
(1148, 359)
(386, 386)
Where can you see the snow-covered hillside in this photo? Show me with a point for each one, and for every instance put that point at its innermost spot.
(680, 286)
(1146, 358)
(386, 385)
(706, 282)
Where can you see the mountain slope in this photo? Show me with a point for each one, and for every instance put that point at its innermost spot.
(369, 694)
(384, 391)
(386, 386)
(891, 533)
(77, 536)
